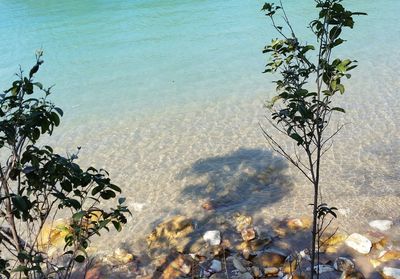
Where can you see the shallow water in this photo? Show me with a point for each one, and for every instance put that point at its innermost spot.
(167, 96)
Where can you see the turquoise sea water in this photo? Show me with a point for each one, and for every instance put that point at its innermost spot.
(168, 94)
(105, 56)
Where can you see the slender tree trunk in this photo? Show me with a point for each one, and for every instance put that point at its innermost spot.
(9, 212)
(314, 229)
(315, 232)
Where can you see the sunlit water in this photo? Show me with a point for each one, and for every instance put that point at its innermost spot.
(167, 96)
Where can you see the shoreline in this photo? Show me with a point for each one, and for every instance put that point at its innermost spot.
(234, 247)
(175, 162)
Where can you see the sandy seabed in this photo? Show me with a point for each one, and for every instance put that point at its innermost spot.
(170, 161)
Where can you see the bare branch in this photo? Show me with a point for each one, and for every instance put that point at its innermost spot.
(279, 149)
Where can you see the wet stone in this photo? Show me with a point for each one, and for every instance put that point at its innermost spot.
(271, 271)
(391, 273)
(256, 271)
(245, 275)
(389, 256)
(212, 237)
(242, 222)
(248, 234)
(218, 276)
(359, 243)
(343, 264)
(238, 265)
(216, 266)
(382, 225)
(269, 259)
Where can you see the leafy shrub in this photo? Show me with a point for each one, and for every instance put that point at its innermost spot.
(37, 185)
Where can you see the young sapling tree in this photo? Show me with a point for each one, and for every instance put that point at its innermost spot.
(309, 82)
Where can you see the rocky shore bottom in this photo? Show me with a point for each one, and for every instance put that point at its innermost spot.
(234, 248)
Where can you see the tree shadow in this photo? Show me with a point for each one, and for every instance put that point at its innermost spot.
(244, 180)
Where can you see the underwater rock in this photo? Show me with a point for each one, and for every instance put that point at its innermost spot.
(359, 243)
(391, 273)
(52, 236)
(212, 237)
(170, 233)
(382, 225)
(238, 265)
(216, 266)
(242, 222)
(343, 264)
(271, 271)
(248, 234)
(256, 271)
(269, 259)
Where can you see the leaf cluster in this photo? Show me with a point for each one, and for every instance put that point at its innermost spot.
(299, 112)
(36, 183)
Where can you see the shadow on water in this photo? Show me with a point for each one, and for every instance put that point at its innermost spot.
(243, 180)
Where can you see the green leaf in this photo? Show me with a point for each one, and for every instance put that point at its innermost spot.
(359, 13)
(104, 223)
(297, 138)
(74, 203)
(335, 32)
(341, 88)
(59, 195)
(117, 225)
(55, 118)
(59, 111)
(341, 68)
(38, 84)
(33, 70)
(333, 84)
(23, 255)
(78, 216)
(35, 134)
(108, 194)
(20, 268)
(338, 41)
(338, 109)
(66, 185)
(80, 258)
(20, 203)
(115, 187)
(121, 200)
(97, 190)
(267, 7)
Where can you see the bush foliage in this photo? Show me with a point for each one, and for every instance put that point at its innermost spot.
(37, 185)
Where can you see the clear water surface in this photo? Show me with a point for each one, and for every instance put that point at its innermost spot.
(167, 95)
